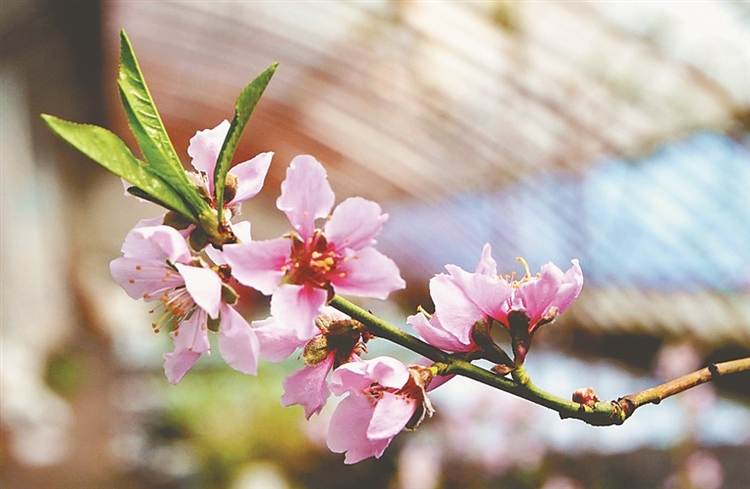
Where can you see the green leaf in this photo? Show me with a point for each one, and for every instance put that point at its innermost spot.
(243, 108)
(149, 130)
(112, 153)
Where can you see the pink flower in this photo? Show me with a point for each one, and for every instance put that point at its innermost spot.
(384, 398)
(338, 340)
(157, 264)
(244, 180)
(463, 300)
(304, 269)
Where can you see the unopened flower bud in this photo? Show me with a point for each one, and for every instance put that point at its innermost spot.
(585, 396)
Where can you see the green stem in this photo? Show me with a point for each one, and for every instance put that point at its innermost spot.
(604, 413)
(454, 365)
(383, 329)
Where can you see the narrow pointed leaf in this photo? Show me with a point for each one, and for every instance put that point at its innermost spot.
(149, 130)
(243, 108)
(112, 153)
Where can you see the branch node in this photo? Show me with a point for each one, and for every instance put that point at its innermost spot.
(713, 369)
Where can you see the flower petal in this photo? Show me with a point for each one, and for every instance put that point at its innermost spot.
(571, 286)
(238, 344)
(156, 242)
(538, 295)
(250, 176)
(295, 307)
(144, 279)
(390, 415)
(354, 223)
(259, 264)
(487, 265)
(177, 363)
(347, 431)
(190, 341)
(489, 293)
(204, 286)
(192, 334)
(308, 387)
(204, 149)
(305, 194)
(350, 377)
(276, 343)
(388, 372)
(457, 312)
(367, 273)
(434, 333)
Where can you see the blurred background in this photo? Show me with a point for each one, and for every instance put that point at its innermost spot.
(617, 133)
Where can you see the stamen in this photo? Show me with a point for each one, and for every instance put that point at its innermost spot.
(525, 266)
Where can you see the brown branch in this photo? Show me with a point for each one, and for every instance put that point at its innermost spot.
(655, 395)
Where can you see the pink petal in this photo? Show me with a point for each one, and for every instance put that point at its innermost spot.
(572, 284)
(366, 273)
(350, 377)
(308, 388)
(190, 341)
(177, 364)
(204, 149)
(434, 333)
(144, 279)
(489, 293)
(204, 286)
(487, 265)
(250, 176)
(259, 264)
(192, 334)
(354, 224)
(305, 194)
(238, 343)
(390, 415)
(276, 343)
(456, 311)
(242, 231)
(295, 307)
(347, 431)
(387, 372)
(156, 242)
(537, 295)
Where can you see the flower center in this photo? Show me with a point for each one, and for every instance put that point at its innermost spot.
(177, 306)
(311, 262)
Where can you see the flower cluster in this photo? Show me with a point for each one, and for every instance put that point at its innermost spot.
(466, 304)
(169, 260)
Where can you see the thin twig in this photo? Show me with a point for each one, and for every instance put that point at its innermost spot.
(655, 395)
